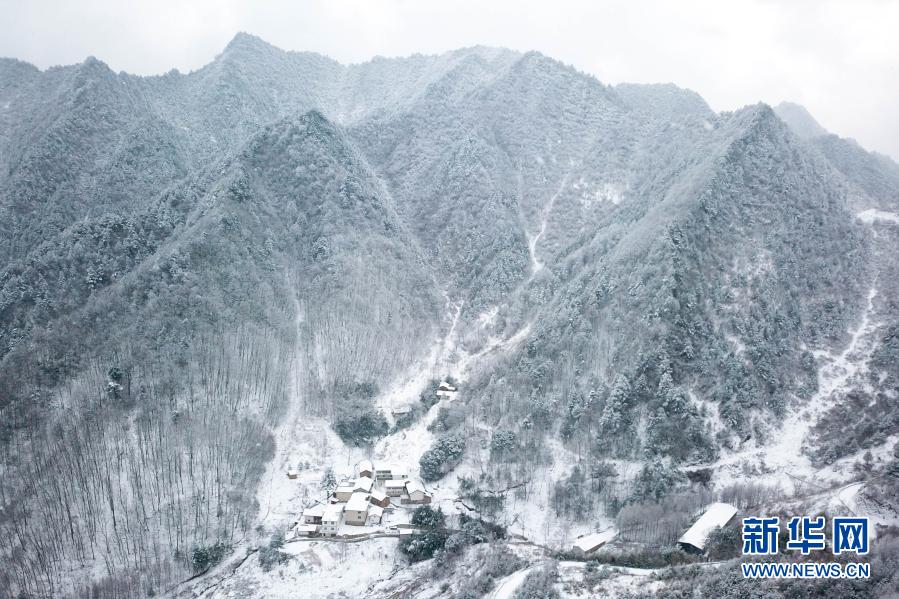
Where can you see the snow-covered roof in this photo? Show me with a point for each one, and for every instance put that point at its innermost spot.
(401, 410)
(357, 503)
(316, 511)
(374, 510)
(595, 540)
(444, 386)
(347, 486)
(363, 483)
(715, 516)
(333, 512)
(413, 485)
(305, 528)
(395, 484)
(378, 495)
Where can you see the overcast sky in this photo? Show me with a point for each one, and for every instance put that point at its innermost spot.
(838, 58)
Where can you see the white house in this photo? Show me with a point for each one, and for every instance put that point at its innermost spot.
(446, 390)
(395, 488)
(375, 514)
(357, 509)
(416, 491)
(363, 484)
(401, 411)
(331, 518)
(390, 471)
(714, 517)
(304, 530)
(590, 543)
(313, 515)
(345, 490)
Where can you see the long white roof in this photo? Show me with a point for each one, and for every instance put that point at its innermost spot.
(715, 516)
(597, 539)
(333, 511)
(314, 511)
(413, 485)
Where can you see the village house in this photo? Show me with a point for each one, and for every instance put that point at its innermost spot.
(391, 472)
(445, 390)
(379, 498)
(395, 488)
(331, 518)
(305, 530)
(401, 411)
(416, 492)
(375, 514)
(366, 468)
(714, 517)
(313, 515)
(292, 473)
(587, 544)
(363, 484)
(345, 490)
(357, 509)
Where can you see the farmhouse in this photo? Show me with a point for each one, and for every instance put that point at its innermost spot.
(345, 490)
(363, 484)
(305, 530)
(389, 472)
(715, 516)
(379, 498)
(589, 543)
(446, 390)
(357, 509)
(375, 514)
(366, 468)
(331, 519)
(313, 515)
(416, 492)
(395, 488)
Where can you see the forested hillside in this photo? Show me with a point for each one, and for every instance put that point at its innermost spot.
(186, 260)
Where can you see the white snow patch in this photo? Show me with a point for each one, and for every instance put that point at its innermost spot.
(872, 215)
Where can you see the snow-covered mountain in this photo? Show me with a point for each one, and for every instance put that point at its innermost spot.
(209, 279)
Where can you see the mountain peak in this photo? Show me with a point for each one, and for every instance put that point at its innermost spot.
(799, 120)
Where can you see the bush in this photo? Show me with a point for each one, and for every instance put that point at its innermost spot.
(539, 584)
(271, 555)
(203, 558)
(362, 427)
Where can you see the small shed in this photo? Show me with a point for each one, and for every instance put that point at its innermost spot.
(379, 498)
(401, 411)
(375, 514)
(587, 544)
(446, 391)
(292, 473)
(366, 468)
(305, 530)
(713, 517)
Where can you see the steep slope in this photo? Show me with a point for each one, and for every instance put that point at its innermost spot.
(182, 361)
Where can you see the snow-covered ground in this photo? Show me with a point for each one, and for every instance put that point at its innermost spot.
(318, 569)
(872, 215)
(780, 459)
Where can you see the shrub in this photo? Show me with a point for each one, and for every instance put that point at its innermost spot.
(271, 555)
(203, 558)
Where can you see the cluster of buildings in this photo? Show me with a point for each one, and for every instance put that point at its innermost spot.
(362, 501)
